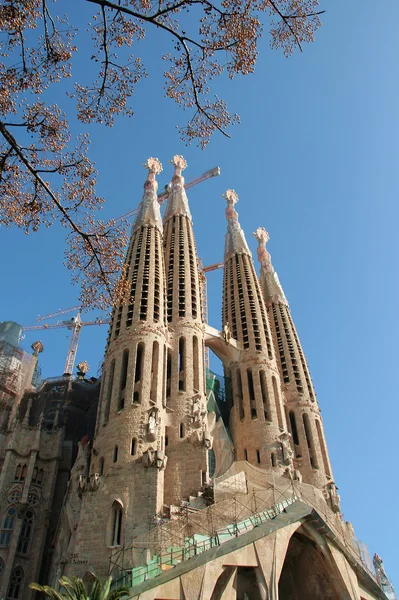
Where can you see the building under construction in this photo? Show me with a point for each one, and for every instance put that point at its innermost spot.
(181, 484)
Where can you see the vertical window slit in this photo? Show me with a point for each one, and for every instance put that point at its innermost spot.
(182, 364)
(154, 371)
(138, 373)
(323, 448)
(108, 397)
(277, 400)
(125, 363)
(240, 394)
(196, 363)
(309, 441)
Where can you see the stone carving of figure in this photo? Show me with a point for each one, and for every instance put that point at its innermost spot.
(207, 439)
(94, 482)
(149, 457)
(297, 475)
(152, 425)
(333, 496)
(227, 333)
(161, 460)
(380, 570)
(197, 411)
(286, 449)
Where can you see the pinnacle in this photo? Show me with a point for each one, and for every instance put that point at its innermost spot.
(235, 238)
(177, 200)
(149, 211)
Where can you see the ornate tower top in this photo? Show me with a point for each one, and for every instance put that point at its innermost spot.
(235, 238)
(177, 201)
(270, 281)
(149, 212)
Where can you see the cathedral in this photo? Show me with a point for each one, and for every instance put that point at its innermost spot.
(181, 484)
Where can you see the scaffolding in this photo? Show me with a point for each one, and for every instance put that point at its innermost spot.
(193, 531)
(14, 367)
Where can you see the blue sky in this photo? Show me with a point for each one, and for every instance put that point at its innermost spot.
(315, 162)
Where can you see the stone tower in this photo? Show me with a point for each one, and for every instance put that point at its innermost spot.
(271, 526)
(302, 409)
(128, 460)
(186, 432)
(257, 418)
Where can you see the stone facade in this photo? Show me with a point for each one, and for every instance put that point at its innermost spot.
(130, 495)
(39, 435)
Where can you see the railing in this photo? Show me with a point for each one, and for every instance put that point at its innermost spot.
(196, 545)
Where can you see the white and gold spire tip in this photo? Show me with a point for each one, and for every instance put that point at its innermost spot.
(261, 235)
(231, 196)
(179, 162)
(153, 165)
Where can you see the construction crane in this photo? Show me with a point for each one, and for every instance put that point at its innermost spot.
(75, 324)
(62, 311)
(163, 195)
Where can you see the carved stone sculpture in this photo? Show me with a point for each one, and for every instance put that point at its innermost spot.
(286, 450)
(152, 426)
(333, 496)
(161, 460)
(94, 482)
(198, 411)
(227, 333)
(149, 457)
(207, 439)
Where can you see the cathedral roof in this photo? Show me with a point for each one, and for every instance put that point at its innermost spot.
(272, 290)
(149, 211)
(235, 238)
(177, 199)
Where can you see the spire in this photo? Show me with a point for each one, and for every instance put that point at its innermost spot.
(177, 200)
(271, 285)
(235, 239)
(149, 212)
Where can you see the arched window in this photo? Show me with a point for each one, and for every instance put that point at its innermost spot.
(277, 401)
(17, 578)
(115, 457)
(24, 472)
(154, 371)
(138, 373)
(240, 394)
(26, 531)
(116, 524)
(133, 449)
(309, 441)
(196, 363)
(168, 373)
(182, 364)
(40, 476)
(18, 472)
(8, 526)
(110, 382)
(34, 474)
(123, 380)
(181, 430)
